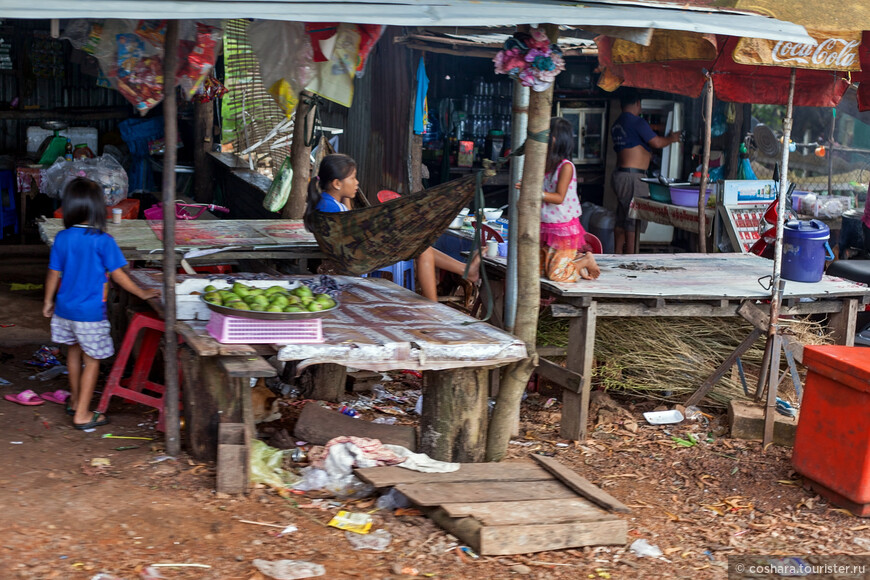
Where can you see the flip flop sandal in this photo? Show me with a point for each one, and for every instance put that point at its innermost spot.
(27, 397)
(59, 396)
(95, 422)
(70, 411)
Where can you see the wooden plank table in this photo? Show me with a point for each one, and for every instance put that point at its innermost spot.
(381, 326)
(704, 285)
(238, 239)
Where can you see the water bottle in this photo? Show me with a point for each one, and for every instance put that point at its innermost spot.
(51, 373)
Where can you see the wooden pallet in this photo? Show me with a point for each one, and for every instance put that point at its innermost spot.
(511, 507)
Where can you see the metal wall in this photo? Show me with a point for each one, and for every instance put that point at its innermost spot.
(48, 75)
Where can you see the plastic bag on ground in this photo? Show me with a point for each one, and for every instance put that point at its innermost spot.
(379, 540)
(393, 500)
(266, 466)
(288, 569)
(643, 548)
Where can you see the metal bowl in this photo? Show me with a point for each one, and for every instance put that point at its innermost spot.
(258, 315)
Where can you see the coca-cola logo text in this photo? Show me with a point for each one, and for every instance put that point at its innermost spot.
(830, 52)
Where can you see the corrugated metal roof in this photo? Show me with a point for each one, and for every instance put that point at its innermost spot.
(426, 13)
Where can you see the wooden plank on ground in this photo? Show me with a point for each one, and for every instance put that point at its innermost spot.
(432, 494)
(506, 540)
(580, 484)
(505, 471)
(545, 511)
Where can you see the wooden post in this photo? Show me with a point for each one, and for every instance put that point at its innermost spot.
(170, 120)
(516, 375)
(415, 143)
(736, 140)
(329, 381)
(203, 132)
(705, 167)
(453, 422)
(830, 151)
(581, 350)
(300, 158)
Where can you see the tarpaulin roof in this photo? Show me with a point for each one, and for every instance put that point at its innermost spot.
(423, 13)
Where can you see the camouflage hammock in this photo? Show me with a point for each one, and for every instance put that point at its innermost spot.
(363, 240)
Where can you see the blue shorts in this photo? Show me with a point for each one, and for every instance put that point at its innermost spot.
(95, 338)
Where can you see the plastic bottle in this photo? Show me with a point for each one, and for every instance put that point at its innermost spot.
(68, 151)
(51, 373)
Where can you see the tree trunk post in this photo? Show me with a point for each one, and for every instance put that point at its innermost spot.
(203, 129)
(453, 421)
(300, 159)
(516, 375)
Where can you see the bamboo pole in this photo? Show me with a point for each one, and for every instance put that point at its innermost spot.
(830, 151)
(776, 288)
(516, 375)
(519, 126)
(170, 129)
(705, 168)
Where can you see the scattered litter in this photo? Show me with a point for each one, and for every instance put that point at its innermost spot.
(101, 462)
(394, 499)
(550, 402)
(162, 458)
(562, 445)
(352, 522)
(149, 573)
(469, 552)
(523, 443)
(378, 540)
(180, 566)
(664, 417)
(385, 421)
(17, 442)
(104, 576)
(288, 529)
(4, 381)
(643, 548)
(110, 436)
(126, 447)
(693, 413)
(288, 569)
(49, 374)
(418, 408)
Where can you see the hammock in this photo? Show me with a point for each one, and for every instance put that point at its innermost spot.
(363, 240)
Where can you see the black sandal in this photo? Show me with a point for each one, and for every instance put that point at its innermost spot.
(95, 422)
(70, 411)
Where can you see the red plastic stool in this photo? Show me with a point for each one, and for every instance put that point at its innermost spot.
(133, 388)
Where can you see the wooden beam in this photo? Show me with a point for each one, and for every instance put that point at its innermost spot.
(575, 406)
(580, 484)
(720, 371)
(254, 366)
(565, 378)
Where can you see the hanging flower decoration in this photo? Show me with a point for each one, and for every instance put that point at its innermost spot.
(531, 59)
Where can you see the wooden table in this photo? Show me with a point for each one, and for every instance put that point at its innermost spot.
(237, 239)
(704, 285)
(379, 326)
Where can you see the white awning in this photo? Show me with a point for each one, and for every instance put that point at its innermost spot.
(425, 13)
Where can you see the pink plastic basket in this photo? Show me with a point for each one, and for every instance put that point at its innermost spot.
(234, 330)
(155, 212)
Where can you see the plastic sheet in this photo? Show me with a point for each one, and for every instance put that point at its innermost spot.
(286, 59)
(105, 170)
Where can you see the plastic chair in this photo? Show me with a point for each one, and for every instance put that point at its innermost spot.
(135, 386)
(487, 233)
(386, 195)
(594, 243)
(402, 272)
(8, 211)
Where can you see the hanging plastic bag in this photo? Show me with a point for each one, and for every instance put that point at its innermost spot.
(105, 170)
(197, 56)
(279, 192)
(286, 59)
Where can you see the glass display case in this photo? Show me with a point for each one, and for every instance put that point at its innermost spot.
(590, 129)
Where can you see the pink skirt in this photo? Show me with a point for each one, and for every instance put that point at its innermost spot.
(564, 236)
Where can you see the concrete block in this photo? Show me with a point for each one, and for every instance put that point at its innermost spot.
(747, 422)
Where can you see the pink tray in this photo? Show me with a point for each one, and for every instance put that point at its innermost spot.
(236, 330)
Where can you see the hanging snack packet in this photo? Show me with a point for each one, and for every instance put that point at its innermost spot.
(210, 89)
(154, 31)
(138, 78)
(352, 522)
(197, 58)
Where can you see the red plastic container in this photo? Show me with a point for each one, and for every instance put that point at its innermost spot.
(832, 443)
(129, 208)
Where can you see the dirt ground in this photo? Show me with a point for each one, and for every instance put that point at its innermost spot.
(66, 517)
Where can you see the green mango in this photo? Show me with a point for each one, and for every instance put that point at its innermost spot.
(240, 290)
(256, 292)
(214, 298)
(274, 289)
(226, 295)
(315, 307)
(292, 308)
(274, 308)
(303, 291)
(259, 307)
(240, 306)
(293, 299)
(249, 299)
(210, 288)
(279, 300)
(306, 300)
(327, 304)
(261, 300)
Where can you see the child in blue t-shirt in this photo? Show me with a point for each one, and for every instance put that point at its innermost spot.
(83, 257)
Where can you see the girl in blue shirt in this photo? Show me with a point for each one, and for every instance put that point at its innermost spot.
(336, 180)
(83, 257)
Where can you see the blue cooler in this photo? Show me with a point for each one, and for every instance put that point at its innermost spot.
(804, 250)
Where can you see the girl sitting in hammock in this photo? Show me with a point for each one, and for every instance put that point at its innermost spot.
(336, 180)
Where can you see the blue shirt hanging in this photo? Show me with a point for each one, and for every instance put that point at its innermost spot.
(421, 108)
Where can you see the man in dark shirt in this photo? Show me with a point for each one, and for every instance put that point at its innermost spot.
(633, 141)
